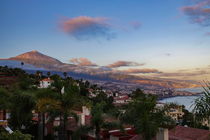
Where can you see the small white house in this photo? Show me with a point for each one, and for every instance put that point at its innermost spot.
(45, 83)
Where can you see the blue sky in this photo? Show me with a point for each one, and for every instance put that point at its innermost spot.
(158, 33)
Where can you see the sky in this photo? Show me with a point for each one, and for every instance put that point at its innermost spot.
(161, 38)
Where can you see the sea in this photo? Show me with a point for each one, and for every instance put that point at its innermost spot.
(187, 101)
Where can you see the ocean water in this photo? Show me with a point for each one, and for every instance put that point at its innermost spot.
(187, 101)
(196, 90)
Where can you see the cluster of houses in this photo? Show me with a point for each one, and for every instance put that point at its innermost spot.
(84, 115)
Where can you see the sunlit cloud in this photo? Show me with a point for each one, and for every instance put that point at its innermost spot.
(198, 12)
(139, 71)
(124, 64)
(82, 62)
(186, 73)
(176, 74)
(84, 27)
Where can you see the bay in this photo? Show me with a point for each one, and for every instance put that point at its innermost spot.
(187, 101)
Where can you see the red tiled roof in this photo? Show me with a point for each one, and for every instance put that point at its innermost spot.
(188, 133)
(121, 98)
(47, 79)
(182, 133)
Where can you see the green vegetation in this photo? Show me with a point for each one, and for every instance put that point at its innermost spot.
(17, 135)
(145, 116)
(202, 106)
(20, 95)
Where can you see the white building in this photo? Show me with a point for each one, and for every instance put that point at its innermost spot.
(176, 113)
(45, 83)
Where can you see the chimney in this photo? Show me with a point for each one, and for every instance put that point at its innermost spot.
(162, 134)
(85, 110)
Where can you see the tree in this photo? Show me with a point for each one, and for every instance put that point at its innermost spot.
(16, 135)
(22, 63)
(21, 108)
(48, 74)
(65, 74)
(188, 118)
(101, 110)
(101, 97)
(143, 114)
(4, 100)
(46, 103)
(97, 120)
(59, 104)
(202, 105)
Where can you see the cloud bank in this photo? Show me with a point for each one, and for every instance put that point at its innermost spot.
(82, 62)
(198, 12)
(143, 71)
(84, 27)
(124, 64)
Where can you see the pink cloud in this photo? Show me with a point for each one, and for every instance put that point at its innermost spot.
(124, 64)
(144, 71)
(84, 27)
(82, 62)
(198, 12)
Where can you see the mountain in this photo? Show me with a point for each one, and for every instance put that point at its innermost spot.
(35, 60)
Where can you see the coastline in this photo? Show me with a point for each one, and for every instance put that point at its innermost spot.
(187, 101)
(172, 96)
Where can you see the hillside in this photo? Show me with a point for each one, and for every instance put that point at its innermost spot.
(35, 60)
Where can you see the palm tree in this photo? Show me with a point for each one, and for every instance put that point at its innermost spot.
(48, 74)
(21, 108)
(65, 74)
(22, 63)
(4, 102)
(58, 104)
(46, 103)
(97, 120)
(143, 114)
(102, 109)
(202, 105)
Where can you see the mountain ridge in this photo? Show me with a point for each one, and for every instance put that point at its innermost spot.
(37, 59)
(35, 56)
(40, 60)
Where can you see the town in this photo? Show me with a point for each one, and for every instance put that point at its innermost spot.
(36, 106)
(127, 88)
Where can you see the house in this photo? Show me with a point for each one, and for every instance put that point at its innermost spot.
(45, 83)
(84, 118)
(205, 122)
(4, 115)
(175, 112)
(123, 99)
